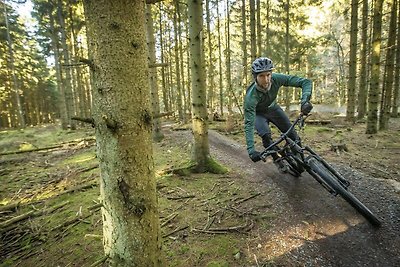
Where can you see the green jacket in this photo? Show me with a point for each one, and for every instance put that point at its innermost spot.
(257, 102)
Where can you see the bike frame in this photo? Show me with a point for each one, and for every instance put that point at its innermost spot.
(291, 145)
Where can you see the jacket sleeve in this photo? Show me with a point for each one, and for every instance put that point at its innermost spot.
(250, 104)
(295, 81)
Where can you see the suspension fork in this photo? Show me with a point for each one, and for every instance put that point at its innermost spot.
(340, 178)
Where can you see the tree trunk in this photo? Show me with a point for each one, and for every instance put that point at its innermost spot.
(351, 82)
(259, 26)
(60, 84)
(201, 151)
(396, 89)
(157, 133)
(211, 69)
(287, 54)
(122, 116)
(373, 96)
(18, 107)
(253, 43)
(363, 86)
(387, 89)
(245, 73)
(179, 103)
(221, 99)
(69, 92)
(163, 74)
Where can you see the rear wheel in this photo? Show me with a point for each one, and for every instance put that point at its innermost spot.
(320, 169)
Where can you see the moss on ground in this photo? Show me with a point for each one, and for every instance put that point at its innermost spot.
(199, 202)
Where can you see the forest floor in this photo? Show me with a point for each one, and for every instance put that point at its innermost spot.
(250, 216)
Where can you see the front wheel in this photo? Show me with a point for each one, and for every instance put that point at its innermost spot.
(319, 168)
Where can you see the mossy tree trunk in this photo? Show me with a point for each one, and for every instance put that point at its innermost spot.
(373, 96)
(201, 150)
(122, 116)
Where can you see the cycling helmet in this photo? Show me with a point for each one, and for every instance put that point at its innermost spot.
(261, 64)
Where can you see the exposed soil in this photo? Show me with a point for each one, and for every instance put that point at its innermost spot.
(314, 228)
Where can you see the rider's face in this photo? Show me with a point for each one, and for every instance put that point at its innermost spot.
(264, 79)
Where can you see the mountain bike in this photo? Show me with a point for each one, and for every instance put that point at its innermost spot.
(298, 158)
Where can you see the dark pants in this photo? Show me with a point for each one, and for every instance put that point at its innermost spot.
(279, 118)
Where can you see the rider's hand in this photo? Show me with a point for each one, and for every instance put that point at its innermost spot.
(306, 107)
(255, 156)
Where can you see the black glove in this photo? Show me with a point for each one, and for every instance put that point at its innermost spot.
(306, 107)
(255, 156)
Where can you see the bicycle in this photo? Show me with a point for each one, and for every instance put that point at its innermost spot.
(300, 158)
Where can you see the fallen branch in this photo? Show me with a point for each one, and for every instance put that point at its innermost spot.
(175, 231)
(248, 198)
(169, 218)
(48, 147)
(100, 261)
(5, 224)
(181, 197)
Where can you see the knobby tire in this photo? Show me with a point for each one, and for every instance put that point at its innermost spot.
(320, 169)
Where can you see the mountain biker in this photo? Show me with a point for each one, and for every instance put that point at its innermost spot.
(261, 108)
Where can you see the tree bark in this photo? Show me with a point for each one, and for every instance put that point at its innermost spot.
(122, 117)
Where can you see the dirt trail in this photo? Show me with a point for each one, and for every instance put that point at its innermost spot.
(314, 228)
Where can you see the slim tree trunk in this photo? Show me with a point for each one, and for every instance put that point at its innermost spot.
(122, 117)
(253, 43)
(69, 92)
(259, 26)
(179, 101)
(157, 133)
(221, 99)
(351, 82)
(363, 86)
(396, 89)
(211, 69)
(60, 85)
(163, 74)
(18, 107)
(287, 54)
(373, 96)
(245, 74)
(387, 90)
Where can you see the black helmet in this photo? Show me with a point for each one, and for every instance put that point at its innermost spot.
(261, 64)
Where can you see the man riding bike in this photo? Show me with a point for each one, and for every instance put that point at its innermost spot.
(261, 108)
